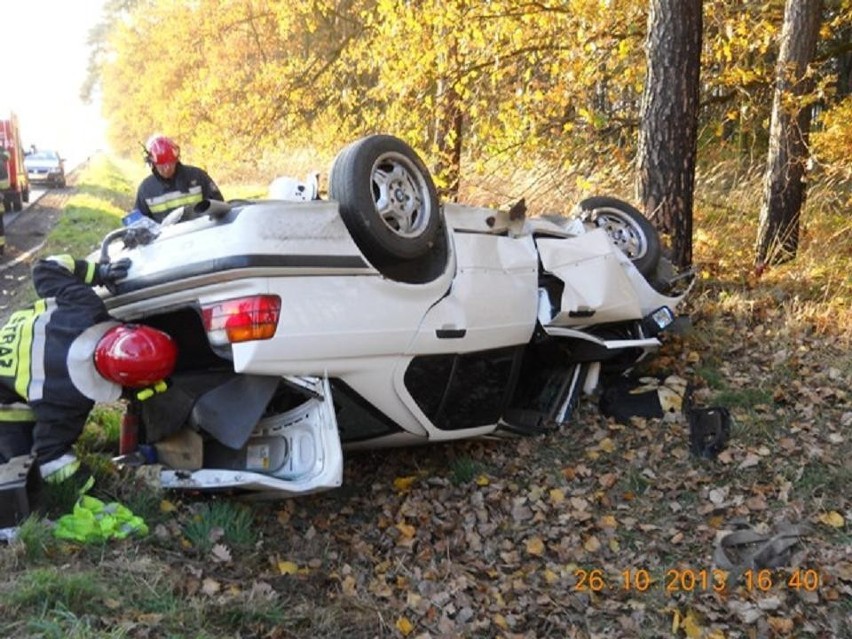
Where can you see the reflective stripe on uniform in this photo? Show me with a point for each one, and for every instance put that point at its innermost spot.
(174, 199)
(90, 272)
(38, 351)
(10, 338)
(17, 413)
(29, 376)
(65, 261)
(58, 470)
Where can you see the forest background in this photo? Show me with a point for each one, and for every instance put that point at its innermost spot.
(503, 99)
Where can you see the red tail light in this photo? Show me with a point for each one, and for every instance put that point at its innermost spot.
(242, 320)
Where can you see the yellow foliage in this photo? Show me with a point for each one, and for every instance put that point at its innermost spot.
(832, 144)
(548, 96)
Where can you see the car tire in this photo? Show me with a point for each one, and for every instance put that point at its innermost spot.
(627, 228)
(387, 199)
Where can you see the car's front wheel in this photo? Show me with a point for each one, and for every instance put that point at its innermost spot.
(387, 199)
(628, 229)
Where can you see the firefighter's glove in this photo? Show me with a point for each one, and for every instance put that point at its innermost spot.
(111, 272)
(149, 391)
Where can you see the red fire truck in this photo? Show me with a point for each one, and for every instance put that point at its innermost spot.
(14, 184)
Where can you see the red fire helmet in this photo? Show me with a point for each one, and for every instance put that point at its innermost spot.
(162, 150)
(135, 356)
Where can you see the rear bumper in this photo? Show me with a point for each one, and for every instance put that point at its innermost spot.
(49, 178)
(313, 461)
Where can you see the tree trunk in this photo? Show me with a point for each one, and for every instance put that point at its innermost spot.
(784, 181)
(669, 121)
(448, 141)
(449, 121)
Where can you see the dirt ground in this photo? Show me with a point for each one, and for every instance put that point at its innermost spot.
(25, 235)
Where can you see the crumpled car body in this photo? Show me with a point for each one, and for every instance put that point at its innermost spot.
(299, 339)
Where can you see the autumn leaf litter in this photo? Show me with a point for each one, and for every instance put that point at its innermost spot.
(597, 530)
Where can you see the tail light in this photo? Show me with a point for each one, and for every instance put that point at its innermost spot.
(241, 320)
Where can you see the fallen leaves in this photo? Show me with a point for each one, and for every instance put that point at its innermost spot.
(497, 553)
(832, 518)
(535, 546)
(403, 484)
(592, 544)
(404, 626)
(406, 530)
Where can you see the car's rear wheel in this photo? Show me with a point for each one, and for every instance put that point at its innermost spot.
(387, 199)
(627, 228)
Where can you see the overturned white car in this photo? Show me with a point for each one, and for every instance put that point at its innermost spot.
(378, 317)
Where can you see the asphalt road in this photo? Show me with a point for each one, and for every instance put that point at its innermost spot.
(35, 196)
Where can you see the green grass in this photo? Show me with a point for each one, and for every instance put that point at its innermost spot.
(822, 482)
(36, 538)
(103, 197)
(714, 378)
(41, 590)
(463, 469)
(745, 398)
(220, 522)
(63, 624)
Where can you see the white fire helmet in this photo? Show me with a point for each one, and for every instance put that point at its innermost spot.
(291, 189)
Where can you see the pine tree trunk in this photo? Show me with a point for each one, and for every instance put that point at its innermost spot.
(449, 123)
(784, 181)
(669, 121)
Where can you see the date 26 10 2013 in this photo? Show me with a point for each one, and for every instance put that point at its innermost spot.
(691, 580)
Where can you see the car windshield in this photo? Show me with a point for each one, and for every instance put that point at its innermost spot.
(44, 155)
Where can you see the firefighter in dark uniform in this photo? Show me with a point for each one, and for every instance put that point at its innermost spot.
(171, 183)
(63, 354)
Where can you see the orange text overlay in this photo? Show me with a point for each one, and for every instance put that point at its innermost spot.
(676, 580)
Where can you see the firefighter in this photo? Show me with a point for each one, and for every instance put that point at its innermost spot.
(171, 183)
(65, 353)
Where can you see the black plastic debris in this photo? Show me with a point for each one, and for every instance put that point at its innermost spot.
(20, 490)
(709, 429)
(625, 397)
